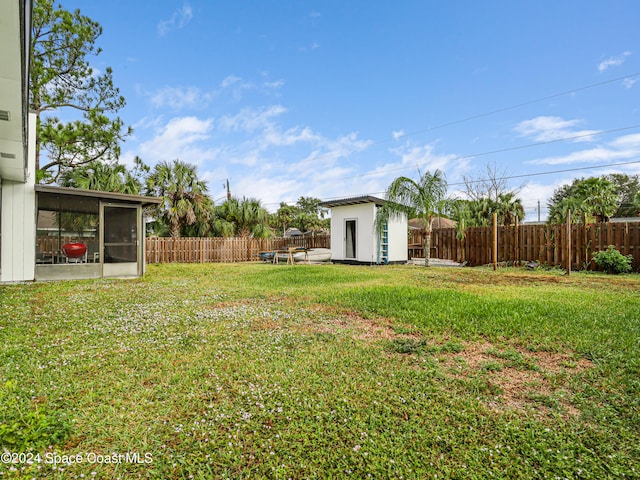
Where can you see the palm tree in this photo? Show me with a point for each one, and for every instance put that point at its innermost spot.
(106, 177)
(509, 207)
(185, 201)
(416, 199)
(586, 198)
(599, 197)
(245, 218)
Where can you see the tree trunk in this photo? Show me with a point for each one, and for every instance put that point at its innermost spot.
(427, 246)
(174, 230)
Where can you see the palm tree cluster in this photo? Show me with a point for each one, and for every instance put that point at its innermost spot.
(479, 213)
(187, 209)
(596, 199)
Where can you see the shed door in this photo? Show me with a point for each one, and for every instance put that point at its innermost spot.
(120, 240)
(350, 239)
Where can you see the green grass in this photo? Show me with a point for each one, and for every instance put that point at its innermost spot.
(262, 371)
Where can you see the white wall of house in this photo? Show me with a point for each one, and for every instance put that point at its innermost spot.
(18, 217)
(363, 215)
(367, 239)
(398, 239)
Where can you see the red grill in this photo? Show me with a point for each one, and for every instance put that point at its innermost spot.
(74, 250)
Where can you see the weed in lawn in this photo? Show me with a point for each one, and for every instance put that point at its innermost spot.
(407, 345)
(28, 424)
(491, 367)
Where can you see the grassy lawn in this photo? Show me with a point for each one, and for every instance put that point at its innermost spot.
(262, 371)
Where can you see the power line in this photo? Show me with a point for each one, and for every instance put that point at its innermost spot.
(518, 105)
(509, 177)
(486, 114)
(502, 150)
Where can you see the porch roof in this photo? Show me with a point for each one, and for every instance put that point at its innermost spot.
(119, 197)
(353, 201)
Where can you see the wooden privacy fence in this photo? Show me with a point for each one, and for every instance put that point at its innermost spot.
(217, 249)
(546, 244)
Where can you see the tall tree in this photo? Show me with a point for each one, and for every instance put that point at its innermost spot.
(599, 197)
(62, 81)
(310, 215)
(185, 201)
(102, 176)
(627, 187)
(423, 199)
(284, 216)
(246, 216)
(509, 207)
(492, 183)
(589, 199)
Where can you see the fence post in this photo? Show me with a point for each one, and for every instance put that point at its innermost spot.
(568, 241)
(495, 240)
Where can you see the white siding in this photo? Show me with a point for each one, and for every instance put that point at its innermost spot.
(367, 238)
(19, 222)
(398, 239)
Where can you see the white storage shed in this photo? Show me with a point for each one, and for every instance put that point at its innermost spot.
(355, 239)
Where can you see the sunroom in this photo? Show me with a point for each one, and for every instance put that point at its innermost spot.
(89, 234)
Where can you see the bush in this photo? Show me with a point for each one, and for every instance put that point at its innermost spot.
(612, 261)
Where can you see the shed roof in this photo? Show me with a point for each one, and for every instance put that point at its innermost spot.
(353, 201)
(121, 197)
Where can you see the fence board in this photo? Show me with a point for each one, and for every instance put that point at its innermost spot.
(227, 250)
(542, 243)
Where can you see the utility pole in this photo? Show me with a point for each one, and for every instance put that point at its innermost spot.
(538, 211)
(228, 190)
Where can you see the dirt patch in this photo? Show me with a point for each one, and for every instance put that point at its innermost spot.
(360, 328)
(513, 378)
(504, 375)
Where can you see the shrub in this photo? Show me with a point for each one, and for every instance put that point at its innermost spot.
(612, 261)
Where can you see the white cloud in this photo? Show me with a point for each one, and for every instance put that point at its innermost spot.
(229, 80)
(613, 61)
(180, 137)
(411, 159)
(274, 84)
(548, 129)
(625, 148)
(631, 141)
(273, 137)
(250, 119)
(397, 134)
(179, 19)
(629, 82)
(236, 85)
(180, 97)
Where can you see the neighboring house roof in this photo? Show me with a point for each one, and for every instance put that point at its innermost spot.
(121, 197)
(293, 232)
(437, 222)
(353, 201)
(624, 219)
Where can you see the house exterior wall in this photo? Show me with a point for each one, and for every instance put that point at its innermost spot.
(18, 219)
(367, 241)
(398, 239)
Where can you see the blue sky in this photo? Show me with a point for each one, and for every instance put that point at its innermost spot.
(337, 98)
